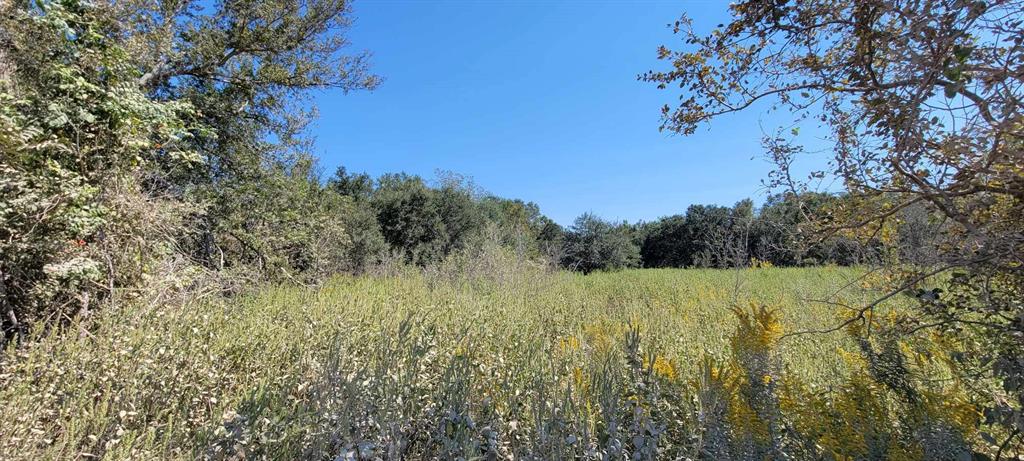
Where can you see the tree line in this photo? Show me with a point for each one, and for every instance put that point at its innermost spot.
(151, 146)
(402, 217)
(779, 233)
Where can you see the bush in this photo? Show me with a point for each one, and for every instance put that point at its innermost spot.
(76, 138)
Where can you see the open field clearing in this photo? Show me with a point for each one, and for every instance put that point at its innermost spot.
(534, 365)
(772, 230)
(337, 230)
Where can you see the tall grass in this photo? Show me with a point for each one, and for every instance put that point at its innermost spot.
(643, 364)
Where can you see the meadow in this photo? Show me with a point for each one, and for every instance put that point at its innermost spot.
(529, 364)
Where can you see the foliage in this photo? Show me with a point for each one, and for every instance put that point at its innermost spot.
(424, 225)
(784, 233)
(138, 135)
(716, 236)
(289, 223)
(921, 101)
(665, 243)
(146, 135)
(593, 244)
(77, 136)
(521, 226)
(410, 218)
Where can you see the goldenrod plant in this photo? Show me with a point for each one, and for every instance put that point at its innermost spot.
(643, 364)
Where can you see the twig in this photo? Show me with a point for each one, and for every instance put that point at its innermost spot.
(873, 304)
(1006, 443)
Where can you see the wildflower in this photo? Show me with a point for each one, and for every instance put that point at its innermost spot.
(663, 368)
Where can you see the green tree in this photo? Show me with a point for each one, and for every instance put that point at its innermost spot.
(595, 244)
(409, 219)
(522, 227)
(358, 186)
(709, 229)
(289, 225)
(78, 139)
(706, 236)
(460, 214)
(550, 239)
(783, 232)
(247, 67)
(667, 243)
(360, 221)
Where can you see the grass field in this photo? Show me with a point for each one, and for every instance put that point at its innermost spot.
(532, 364)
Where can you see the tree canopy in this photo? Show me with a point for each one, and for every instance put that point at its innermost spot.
(922, 101)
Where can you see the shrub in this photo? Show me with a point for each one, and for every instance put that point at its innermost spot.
(76, 136)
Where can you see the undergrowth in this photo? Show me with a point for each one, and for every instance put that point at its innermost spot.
(645, 364)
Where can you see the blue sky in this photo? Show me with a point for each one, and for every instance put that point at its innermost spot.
(537, 100)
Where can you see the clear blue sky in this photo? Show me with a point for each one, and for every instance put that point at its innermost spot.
(537, 100)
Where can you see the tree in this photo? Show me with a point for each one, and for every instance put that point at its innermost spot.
(595, 244)
(522, 227)
(247, 67)
(710, 229)
(706, 236)
(287, 223)
(783, 233)
(460, 215)
(667, 243)
(77, 139)
(777, 237)
(137, 132)
(409, 219)
(358, 186)
(550, 240)
(923, 103)
(360, 221)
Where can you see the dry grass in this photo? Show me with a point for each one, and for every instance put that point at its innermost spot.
(534, 365)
